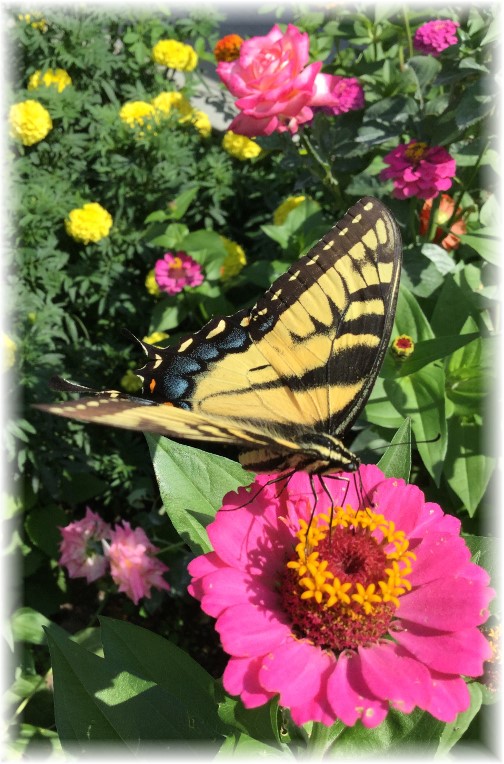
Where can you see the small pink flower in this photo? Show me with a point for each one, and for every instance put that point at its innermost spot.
(337, 95)
(275, 86)
(82, 549)
(133, 565)
(381, 611)
(176, 271)
(418, 170)
(434, 36)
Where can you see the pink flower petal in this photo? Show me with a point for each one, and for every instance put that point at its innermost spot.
(350, 697)
(460, 652)
(241, 678)
(394, 677)
(448, 608)
(264, 630)
(449, 697)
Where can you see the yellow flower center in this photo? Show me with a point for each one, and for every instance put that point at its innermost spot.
(416, 150)
(345, 582)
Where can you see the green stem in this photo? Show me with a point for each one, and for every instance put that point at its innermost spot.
(458, 198)
(320, 739)
(408, 32)
(432, 227)
(326, 175)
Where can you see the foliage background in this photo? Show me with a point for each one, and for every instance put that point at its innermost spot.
(173, 189)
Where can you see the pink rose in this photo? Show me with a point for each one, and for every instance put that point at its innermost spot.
(82, 549)
(275, 86)
(133, 564)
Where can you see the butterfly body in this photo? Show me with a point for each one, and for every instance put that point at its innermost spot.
(284, 380)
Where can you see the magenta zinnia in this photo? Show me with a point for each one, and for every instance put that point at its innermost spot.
(419, 170)
(380, 611)
(176, 271)
(434, 36)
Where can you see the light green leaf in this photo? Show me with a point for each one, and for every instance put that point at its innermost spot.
(192, 484)
(468, 465)
(28, 626)
(396, 461)
(453, 731)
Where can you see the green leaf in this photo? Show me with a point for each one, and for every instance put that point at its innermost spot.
(261, 723)
(486, 244)
(424, 69)
(468, 468)
(42, 526)
(396, 734)
(98, 700)
(28, 626)
(454, 731)
(192, 484)
(166, 315)
(147, 655)
(421, 396)
(178, 207)
(410, 319)
(245, 747)
(396, 461)
(486, 552)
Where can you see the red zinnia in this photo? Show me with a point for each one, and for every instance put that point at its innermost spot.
(382, 610)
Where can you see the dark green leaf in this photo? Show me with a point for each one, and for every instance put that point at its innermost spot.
(468, 465)
(28, 626)
(454, 731)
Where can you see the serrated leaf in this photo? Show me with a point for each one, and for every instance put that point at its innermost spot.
(396, 461)
(192, 484)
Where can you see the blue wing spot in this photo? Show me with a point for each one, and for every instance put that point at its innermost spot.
(235, 339)
(175, 387)
(205, 352)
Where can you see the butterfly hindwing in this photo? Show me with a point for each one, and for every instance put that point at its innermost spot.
(287, 378)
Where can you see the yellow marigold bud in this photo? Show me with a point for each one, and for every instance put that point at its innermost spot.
(88, 223)
(403, 346)
(58, 77)
(131, 382)
(200, 120)
(151, 284)
(137, 113)
(9, 352)
(169, 100)
(240, 146)
(155, 337)
(175, 55)
(38, 21)
(228, 48)
(29, 122)
(234, 261)
(281, 212)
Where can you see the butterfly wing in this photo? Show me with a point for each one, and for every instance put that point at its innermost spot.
(308, 353)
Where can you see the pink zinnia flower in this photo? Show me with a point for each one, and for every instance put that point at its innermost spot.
(382, 611)
(133, 565)
(276, 87)
(418, 170)
(82, 549)
(176, 271)
(345, 94)
(434, 36)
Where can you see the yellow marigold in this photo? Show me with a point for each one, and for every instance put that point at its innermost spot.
(234, 261)
(9, 352)
(155, 337)
(137, 113)
(151, 284)
(168, 100)
(175, 55)
(228, 48)
(240, 146)
(281, 212)
(200, 120)
(38, 21)
(29, 122)
(131, 382)
(89, 223)
(58, 77)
